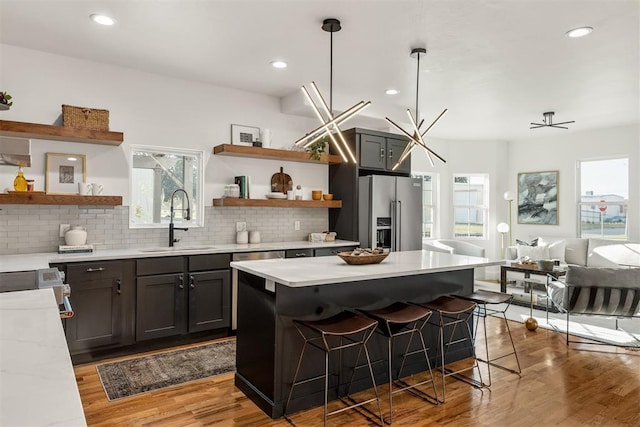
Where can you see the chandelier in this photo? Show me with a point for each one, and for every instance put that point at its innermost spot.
(330, 123)
(417, 138)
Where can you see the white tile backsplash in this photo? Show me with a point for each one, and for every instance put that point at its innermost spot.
(29, 229)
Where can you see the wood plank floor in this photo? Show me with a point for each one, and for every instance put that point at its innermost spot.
(581, 385)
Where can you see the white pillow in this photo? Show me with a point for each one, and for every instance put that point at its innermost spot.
(534, 253)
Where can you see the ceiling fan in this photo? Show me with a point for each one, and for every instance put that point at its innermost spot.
(548, 121)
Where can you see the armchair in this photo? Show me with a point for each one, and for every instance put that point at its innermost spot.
(597, 291)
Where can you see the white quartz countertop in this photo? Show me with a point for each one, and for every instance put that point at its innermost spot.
(35, 261)
(300, 272)
(37, 383)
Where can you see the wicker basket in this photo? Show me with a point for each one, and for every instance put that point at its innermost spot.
(85, 118)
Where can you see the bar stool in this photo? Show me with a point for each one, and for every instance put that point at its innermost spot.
(452, 312)
(354, 328)
(482, 299)
(396, 320)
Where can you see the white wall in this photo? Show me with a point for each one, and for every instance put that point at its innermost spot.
(558, 150)
(150, 110)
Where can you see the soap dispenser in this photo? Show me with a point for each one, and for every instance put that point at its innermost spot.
(20, 183)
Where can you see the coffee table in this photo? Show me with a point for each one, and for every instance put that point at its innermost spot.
(528, 270)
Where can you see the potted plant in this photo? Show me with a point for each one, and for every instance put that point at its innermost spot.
(316, 149)
(5, 100)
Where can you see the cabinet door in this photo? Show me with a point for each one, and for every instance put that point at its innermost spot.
(372, 152)
(298, 253)
(395, 147)
(160, 306)
(96, 297)
(333, 251)
(209, 300)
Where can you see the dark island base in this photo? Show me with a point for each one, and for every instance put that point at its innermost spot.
(268, 345)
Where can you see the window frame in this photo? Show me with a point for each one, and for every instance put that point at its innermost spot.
(434, 206)
(624, 203)
(197, 208)
(483, 208)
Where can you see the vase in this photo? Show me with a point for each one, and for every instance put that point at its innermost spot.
(76, 236)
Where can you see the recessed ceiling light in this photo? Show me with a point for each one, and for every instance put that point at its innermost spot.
(102, 19)
(279, 64)
(579, 32)
(391, 91)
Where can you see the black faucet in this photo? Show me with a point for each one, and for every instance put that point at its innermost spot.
(187, 216)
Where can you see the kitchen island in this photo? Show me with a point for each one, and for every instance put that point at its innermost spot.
(272, 293)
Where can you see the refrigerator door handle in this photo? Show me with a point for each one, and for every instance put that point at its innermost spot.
(394, 234)
(399, 224)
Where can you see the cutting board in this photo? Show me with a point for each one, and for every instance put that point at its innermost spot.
(281, 182)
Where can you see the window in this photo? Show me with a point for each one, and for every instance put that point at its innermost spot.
(156, 173)
(429, 199)
(604, 198)
(470, 205)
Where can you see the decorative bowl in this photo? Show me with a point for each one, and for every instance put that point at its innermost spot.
(351, 259)
(327, 196)
(316, 194)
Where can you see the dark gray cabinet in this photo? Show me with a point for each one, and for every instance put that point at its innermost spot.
(332, 251)
(182, 294)
(102, 296)
(298, 253)
(380, 153)
(377, 153)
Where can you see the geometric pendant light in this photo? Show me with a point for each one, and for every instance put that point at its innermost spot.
(330, 123)
(548, 122)
(417, 138)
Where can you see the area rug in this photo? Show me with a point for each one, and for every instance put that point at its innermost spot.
(599, 328)
(133, 376)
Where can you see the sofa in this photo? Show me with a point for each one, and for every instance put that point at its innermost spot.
(584, 252)
(457, 247)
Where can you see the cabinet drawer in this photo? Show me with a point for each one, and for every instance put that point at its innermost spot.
(333, 251)
(86, 271)
(208, 262)
(298, 253)
(164, 265)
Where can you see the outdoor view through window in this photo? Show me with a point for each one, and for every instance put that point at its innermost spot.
(155, 174)
(604, 196)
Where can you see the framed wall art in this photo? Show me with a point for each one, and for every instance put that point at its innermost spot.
(64, 172)
(538, 198)
(244, 135)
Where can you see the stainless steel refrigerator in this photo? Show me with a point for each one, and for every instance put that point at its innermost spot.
(390, 212)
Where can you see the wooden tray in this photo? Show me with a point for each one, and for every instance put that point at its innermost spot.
(362, 259)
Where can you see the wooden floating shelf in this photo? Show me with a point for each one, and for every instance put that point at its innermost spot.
(28, 198)
(59, 133)
(272, 154)
(276, 203)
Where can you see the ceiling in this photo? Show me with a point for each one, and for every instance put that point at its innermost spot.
(496, 65)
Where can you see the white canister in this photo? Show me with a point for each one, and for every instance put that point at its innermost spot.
(84, 188)
(76, 236)
(254, 237)
(96, 189)
(242, 237)
(265, 137)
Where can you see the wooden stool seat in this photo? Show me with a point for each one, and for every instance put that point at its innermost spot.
(450, 305)
(340, 332)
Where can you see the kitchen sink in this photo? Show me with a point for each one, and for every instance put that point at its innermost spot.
(177, 248)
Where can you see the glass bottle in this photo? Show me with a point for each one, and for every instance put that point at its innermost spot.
(20, 183)
(299, 192)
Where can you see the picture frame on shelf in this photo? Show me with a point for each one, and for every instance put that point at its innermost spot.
(244, 135)
(538, 198)
(64, 172)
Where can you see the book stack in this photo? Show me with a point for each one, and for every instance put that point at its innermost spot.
(75, 249)
(244, 182)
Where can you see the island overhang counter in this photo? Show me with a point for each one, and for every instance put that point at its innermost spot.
(272, 293)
